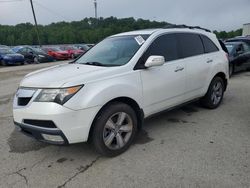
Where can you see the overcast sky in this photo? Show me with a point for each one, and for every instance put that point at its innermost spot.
(212, 14)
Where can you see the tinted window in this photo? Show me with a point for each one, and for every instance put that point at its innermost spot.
(165, 45)
(191, 44)
(209, 45)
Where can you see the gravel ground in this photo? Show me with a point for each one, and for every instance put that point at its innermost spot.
(186, 147)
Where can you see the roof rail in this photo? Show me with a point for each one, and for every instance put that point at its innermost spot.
(171, 26)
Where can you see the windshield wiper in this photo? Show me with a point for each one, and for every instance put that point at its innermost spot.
(94, 63)
(97, 64)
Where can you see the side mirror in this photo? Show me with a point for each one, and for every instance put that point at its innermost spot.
(240, 52)
(154, 60)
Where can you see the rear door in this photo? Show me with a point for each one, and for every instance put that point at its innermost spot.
(163, 86)
(199, 60)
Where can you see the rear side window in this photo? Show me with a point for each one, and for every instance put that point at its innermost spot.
(165, 45)
(209, 45)
(191, 44)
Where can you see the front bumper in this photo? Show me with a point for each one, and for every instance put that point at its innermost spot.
(74, 125)
(45, 59)
(51, 136)
(13, 61)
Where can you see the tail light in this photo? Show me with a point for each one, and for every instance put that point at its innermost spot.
(227, 56)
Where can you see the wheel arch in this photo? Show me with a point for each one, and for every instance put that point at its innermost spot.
(223, 77)
(126, 100)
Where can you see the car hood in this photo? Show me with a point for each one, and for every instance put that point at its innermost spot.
(61, 52)
(63, 76)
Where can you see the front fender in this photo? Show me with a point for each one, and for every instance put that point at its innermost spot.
(101, 92)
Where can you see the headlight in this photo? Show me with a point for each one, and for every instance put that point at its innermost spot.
(41, 56)
(59, 96)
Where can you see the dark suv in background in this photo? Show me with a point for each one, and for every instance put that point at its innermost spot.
(239, 54)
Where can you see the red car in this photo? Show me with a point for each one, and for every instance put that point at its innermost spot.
(57, 53)
(74, 52)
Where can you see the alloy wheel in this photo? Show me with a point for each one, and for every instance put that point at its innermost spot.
(217, 93)
(117, 130)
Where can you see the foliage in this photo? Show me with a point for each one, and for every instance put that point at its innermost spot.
(227, 35)
(88, 30)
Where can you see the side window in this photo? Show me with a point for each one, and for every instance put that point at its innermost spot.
(209, 45)
(246, 47)
(29, 50)
(165, 45)
(22, 50)
(191, 44)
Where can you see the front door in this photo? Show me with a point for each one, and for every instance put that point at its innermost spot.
(163, 86)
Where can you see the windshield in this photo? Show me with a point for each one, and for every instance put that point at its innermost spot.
(114, 51)
(6, 51)
(230, 48)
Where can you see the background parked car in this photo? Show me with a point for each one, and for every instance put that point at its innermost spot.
(8, 57)
(33, 55)
(240, 39)
(3, 46)
(73, 51)
(239, 56)
(83, 47)
(57, 53)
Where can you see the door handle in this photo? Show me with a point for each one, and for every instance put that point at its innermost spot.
(210, 61)
(179, 69)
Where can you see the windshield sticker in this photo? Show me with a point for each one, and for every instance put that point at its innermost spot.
(139, 40)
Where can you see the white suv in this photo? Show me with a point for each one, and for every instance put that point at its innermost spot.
(105, 94)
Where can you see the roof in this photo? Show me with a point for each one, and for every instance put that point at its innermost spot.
(235, 42)
(139, 32)
(151, 31)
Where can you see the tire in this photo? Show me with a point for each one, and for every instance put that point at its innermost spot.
(231, 69)
(214, 95)
(111, 137)
(3, 63)
(36, 60)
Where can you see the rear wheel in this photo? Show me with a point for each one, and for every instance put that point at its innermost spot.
(114, 129)
(215, 94)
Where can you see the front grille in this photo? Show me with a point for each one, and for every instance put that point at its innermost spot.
(23, 101)
(40, 123)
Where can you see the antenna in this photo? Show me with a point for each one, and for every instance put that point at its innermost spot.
(34, 15)
(95, 4)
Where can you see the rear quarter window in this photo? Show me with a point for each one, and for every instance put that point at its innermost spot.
(209, 45)
(190, 44)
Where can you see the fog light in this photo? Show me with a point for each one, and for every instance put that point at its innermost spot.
(53, 138)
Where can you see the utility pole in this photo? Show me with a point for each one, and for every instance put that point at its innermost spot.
(34, 15)
(95, 4)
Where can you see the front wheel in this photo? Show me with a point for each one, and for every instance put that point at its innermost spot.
(214, 95)
(114, 129)
(36, 60)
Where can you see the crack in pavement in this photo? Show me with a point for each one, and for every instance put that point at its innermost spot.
(81, 170)
(21, 175)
